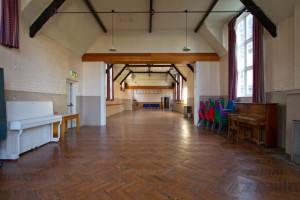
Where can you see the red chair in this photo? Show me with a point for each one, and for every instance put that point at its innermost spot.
(201, 112)
(210, 113)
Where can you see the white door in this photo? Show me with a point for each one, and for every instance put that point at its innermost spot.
(71, 102)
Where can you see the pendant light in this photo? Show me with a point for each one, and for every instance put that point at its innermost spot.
(186, 47)
(112, 48)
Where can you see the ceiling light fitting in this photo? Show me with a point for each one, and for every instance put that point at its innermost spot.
(186, 47)
(112, 48)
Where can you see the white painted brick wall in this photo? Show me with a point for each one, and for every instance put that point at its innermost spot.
(224, 75)
(280, 58)
(40, 65)
(190, 84)
(91, 79)
(297, 47)
(118, 94)
(210, 78)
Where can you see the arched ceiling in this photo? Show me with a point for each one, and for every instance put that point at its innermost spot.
(78, 30)
(75, 28)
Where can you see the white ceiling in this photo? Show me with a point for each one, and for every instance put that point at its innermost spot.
(277, 10)
(78, 31)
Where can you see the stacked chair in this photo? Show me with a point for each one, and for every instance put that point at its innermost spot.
(220, 116)
(213, 114)
(231, 106)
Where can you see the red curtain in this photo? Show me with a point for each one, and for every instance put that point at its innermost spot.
(258, 63)
(9, 23)
(232, 63)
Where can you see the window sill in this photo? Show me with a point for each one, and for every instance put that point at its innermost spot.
(247, 99)
(181, 102)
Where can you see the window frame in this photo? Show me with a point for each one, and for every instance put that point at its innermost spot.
(243, 19)
(178, 88)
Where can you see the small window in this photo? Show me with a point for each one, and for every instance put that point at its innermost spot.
(122, 87)
(109, 83)
(178, 88)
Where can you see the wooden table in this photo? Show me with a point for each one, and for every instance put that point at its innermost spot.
(64, 123)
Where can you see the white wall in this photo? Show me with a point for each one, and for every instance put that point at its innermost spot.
(118, 94)
(91, 79)
(153, 97)
(190, 84)
(210, 79)
(122, 101)
(40, 65)
(280, 58)
(224, 75)
(91, 93)
(297, 47)
(283, 74)
(159, 41)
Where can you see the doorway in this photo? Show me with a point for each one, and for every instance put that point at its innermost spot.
(71, 98)
(167, 103)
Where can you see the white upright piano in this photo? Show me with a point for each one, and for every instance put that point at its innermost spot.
(29, 125)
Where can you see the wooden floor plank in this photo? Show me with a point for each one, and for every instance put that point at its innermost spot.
(149, 154)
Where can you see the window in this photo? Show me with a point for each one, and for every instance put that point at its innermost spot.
(122, 87)
(244, 50)
(9, 23)
(178, 88)
(109, 83)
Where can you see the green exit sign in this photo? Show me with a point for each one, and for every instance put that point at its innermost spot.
(73, 74)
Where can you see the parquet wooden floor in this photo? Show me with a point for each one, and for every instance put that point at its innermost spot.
(148, 155)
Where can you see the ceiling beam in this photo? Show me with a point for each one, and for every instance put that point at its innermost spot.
(149, 65)
(168, 72)
(150, 58)
(148, 87)
(211, 7)
(148, 72)
(179, 72)
(151, 13)
(97, 18)
(44, 17)
(125, 78)
(190, 67)
(120, 72)
(241, 12)
(173, 77)
(260, 15)
(109, 67)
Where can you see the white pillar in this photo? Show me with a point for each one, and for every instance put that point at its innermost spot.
(102, 95)
(196, 91)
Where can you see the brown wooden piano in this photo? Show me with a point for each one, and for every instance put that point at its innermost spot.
(263, 118)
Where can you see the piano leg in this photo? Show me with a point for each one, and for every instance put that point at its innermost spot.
(19, 143)
(258, 136)
(261, 135)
